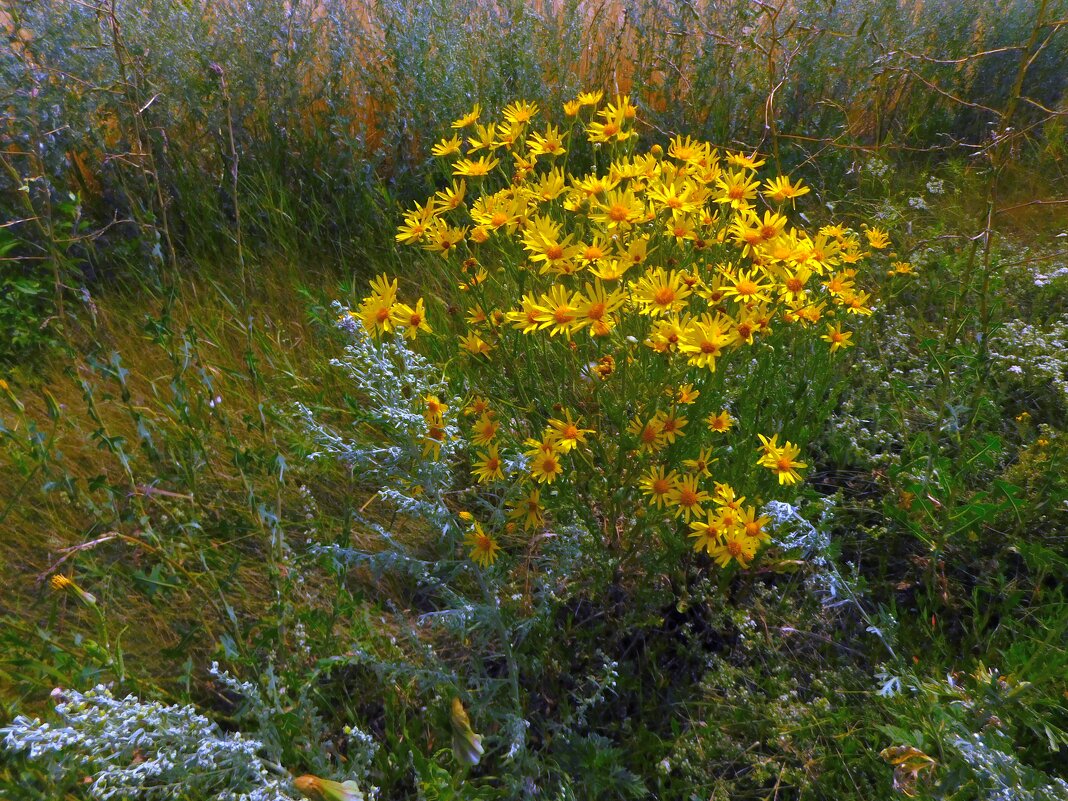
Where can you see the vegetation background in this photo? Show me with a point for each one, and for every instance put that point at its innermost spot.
(186, 186)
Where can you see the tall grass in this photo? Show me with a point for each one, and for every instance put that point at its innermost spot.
(137, 132)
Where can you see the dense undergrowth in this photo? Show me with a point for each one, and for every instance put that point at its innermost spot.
(441, 567)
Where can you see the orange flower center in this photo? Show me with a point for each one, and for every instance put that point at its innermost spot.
(664, 296)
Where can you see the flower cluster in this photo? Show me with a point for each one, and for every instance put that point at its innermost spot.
(638, 277)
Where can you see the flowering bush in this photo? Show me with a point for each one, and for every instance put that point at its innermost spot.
(600, 321)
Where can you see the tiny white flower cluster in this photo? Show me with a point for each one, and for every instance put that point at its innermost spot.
(1043, 279)
(935, 186)
(876, 167)
(145, 750)
(1037, 355)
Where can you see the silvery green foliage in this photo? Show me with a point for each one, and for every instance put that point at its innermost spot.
(393, 380)
(792, 531)
(149, 750)
(1001, 777)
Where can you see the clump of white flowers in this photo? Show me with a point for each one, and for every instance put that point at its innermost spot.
(1037, 355)
(149, 750)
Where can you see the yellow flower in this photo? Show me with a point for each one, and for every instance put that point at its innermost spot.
(545, 466)
(475, 345)
(470, 118)
(476, 167)
(705, 533)
(435, 435)
(648, 434)
(416, 223)
(659, 292)
(558, 310)
(686, 394)
(433, 409)
(745, 287)
(567, 433)
(705, 340)
(687, 497)
(520, 112)
(527, 318)
(856, 303)
(780, 189)
(529, 510)
(784, 463)
(572, 108)
(551, 143)
(447, 147)
(683, 148)
(451, 197)
(753, 526)
(411, 320)
(376, 309)
(658, 485)
(701, 463)
(769, 448)
(735, 545)
(485, 429)
(590, 98)
(621, 209)
(878, 238)
(488, 466)
(483, 547)
(442, 238)
(720, 423)
(596, 308)
(61, 583)
(736, 188)
(837, 338)
(671, 425)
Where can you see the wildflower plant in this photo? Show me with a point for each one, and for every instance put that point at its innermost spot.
(602, 309)
(148, 750)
